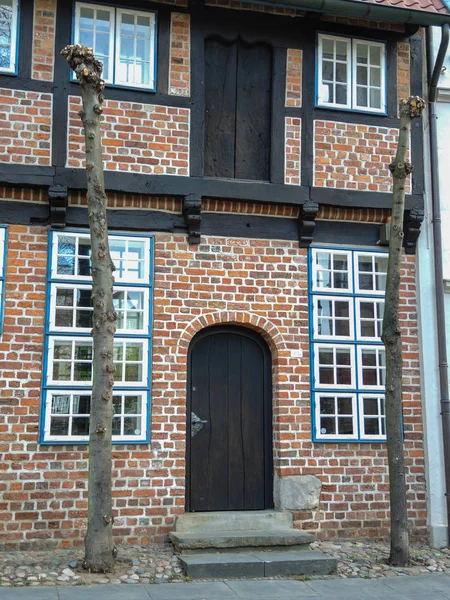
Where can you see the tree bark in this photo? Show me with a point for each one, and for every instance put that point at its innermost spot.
(400, 169)
(99, 546)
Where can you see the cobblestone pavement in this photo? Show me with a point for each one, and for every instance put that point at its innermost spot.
(156, 564)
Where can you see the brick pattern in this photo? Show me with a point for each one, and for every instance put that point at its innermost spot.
(25, 127)
(237, 5)
(44, 28)
(294, 62)
(403, 71)
(136, 201)
(354, 157)
(259, 284)
(385, 25)
(292, 160)
(34, 195)
(232, 206)
(361, 215)
(180, 55)
(141, 138)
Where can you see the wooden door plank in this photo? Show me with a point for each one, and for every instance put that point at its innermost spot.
(220, 108)
(236, 433)
(252, 385)
(253, 112)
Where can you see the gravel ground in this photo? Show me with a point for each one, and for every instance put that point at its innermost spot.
(157, 564)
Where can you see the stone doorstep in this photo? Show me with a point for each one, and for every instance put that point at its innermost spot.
(224, 521)
(258, 564)
(240, 539)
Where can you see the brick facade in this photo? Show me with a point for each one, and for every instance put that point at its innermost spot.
(349, 156)
(180, 55)
(259, 284)
(403, 71)
(294, 63)
(142, 138)
(44, 29)
(25, 127)
(293, 137)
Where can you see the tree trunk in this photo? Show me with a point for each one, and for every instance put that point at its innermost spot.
(400, 169)
(99, 546)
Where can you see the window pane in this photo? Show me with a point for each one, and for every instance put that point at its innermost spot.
(345, 406)
(327, 426)
(341, 51)
(61, 405)
(361, 75)
(341, 72)
(59, 426)
(80, 426)
(127, 24)
(327, 406)
(375, 55)
(127, 48)
(327, 48)
(102, 44)
(341, 94)
(327, 70)
(370, 406)
(362, 53)
(345, 425)
(375, 98)
(132, 405)
(375, 77)
(143, 50)
(371, 427)
(103, 23)
(143, 26)
(131, 426)
(86, 18)
(87, 38)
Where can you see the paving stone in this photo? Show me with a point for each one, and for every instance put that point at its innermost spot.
(271, 589)
(191, 591)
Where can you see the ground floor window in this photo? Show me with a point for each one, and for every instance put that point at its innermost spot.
(68, 343)
(348, 358)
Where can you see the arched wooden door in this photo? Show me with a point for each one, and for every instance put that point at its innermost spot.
(229, 450)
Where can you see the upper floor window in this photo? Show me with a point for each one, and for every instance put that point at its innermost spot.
(8, 35)
(68, 342)
(348, 356)
(351, 74)
(124, 40)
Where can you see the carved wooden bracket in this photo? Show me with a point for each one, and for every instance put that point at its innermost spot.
(411, 228)
(307, 223)
(192, 209)
(57, 198)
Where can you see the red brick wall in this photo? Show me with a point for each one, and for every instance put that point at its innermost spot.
(292, 162)
(294, 63)
(256, 283)
(44, 28)
(180, 55)
(142, 138)
(403, 71)
(354, 157)
(25, 127)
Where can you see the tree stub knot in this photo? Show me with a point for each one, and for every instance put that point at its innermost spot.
(412, 106)
(86, 67)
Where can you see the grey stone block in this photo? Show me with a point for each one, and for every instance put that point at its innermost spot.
(272, 589)
(240, 539)
(101, 592)
(201, 566)
(29, 593)
(297, 563)
(216, 590)
(296, 492)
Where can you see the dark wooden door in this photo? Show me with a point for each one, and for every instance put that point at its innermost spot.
(238, 106)
(229, 388)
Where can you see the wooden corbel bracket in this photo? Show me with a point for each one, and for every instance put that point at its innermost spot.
(192, 209)
(58, 198)
(307, 223)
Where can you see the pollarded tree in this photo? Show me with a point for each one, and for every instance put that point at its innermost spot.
(99, 546)
(410, 108)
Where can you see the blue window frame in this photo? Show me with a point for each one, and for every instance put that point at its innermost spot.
(351, 74)
(3, 246)
(67, 377)
(123, 39)
(347, 355)
(9, 29)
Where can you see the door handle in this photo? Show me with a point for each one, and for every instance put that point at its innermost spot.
(196, 424)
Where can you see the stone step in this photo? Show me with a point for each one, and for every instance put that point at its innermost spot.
(233, 520)
(258, 564)
(254, 538)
